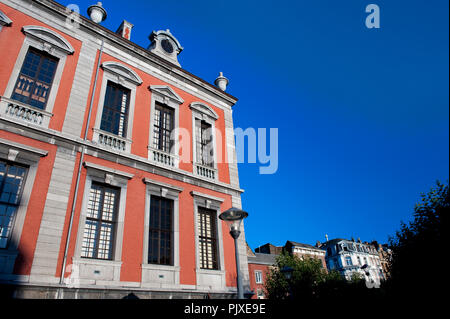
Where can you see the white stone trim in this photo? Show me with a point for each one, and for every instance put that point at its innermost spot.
(107, 170)
(208, 198)
(47, 44)
(203, 112)
(168, 97)
(30, 157)
(49, 37)
(96, 270)
(111, 75)
(122, 71)
(4, 20)
(153, 275)
(209, 279)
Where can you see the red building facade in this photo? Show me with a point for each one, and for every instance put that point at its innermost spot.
(115, 162)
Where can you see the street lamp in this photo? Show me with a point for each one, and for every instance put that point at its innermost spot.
(233, 217)
(287, 272)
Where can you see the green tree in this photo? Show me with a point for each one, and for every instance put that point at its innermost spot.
(418, 247)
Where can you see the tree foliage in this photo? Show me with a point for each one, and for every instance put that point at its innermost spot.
(309, 281)
(418, 247)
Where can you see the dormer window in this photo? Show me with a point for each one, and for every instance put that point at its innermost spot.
(165, 45)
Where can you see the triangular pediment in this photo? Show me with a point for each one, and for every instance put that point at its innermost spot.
(204, 109)
(166, 91)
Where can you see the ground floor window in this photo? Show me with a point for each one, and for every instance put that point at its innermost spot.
(12, 180)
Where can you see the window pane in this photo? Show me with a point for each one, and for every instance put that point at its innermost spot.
(12, 179)
(35, 79)
(160, 231)
(99, 229)
(163, 126)
(115, 109)
(207, 238)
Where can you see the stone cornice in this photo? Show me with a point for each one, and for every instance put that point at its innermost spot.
(93, 149)
(164, 65)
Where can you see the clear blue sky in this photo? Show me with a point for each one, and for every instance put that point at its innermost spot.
(363, 114)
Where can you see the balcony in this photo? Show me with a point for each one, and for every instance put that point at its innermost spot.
(205, 171)
(162, 157)
(24, 113)
(112, 141)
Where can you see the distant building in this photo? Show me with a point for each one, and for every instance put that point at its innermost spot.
(305, 251)
(259, 265)
(269, 249)
(350, 257)
(385, 254)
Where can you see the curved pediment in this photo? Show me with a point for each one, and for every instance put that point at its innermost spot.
(204, 109)
(4, 20)
(49, 36)
(122, 71)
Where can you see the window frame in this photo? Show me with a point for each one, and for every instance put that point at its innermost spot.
(41, 39)
(26, 156)
(103, 175)
(212, 214)
(159, 274)
(101, 221)
(164, 109)
(8, 163)
(165, 96)
(258, 273)
(126, 92)
(125, 77)
(160, 230)
(203, 112)
(42, 56)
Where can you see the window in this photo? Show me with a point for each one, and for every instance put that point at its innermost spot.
(100, 225)
(348, 261)
(259, 293)
(258, 277)
(207, 238)
(12, 179)
(331, 263)
(162, 128)
(35, 79)
(160, 247)
(204, 145)
(329, 251)
(115, 109)
(365, 261)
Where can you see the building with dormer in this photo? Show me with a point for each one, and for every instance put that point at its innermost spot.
(115, 162)
(350, 257)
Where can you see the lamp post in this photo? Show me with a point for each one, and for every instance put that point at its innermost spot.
(287, 273)
(233, 217)
(97, 14)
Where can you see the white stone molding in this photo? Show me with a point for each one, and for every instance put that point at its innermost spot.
(4, 20)
(154, 275)
(96, 271)
(207, 279)
(167, 96)
(122, 71)
(30, 157)
(49, 38)
(124, 76)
